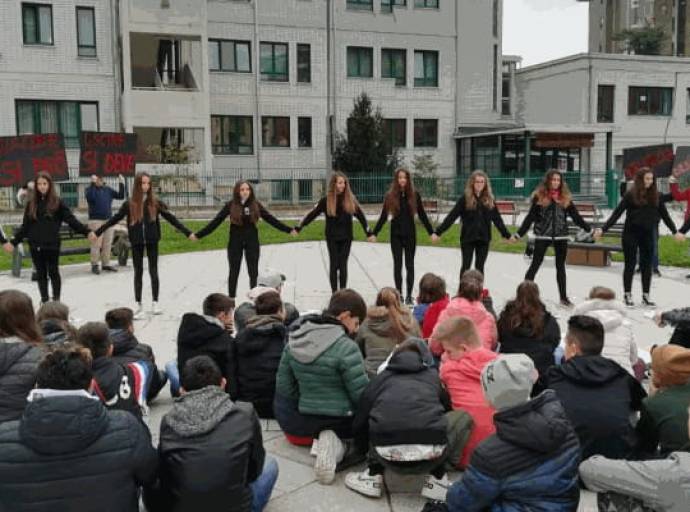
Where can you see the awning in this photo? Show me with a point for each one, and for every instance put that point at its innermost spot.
(544, 131)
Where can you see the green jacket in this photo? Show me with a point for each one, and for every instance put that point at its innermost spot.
(664, 421)
(321, 368)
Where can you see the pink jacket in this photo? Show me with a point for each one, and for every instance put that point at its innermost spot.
(475, 311)
(462, 379)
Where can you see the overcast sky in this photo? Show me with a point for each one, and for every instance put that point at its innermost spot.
(541, 30)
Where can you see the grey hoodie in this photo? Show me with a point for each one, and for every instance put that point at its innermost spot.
(199, 412)
(310, 336)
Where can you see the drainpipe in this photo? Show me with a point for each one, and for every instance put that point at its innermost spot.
(117, 61)
(257, 73)
(329, 113)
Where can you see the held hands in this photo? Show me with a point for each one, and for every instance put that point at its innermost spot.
(121, 178)
(598, 233)
(680, 237)
(92, 236)
(371, 238)
(8, 247)
(193, 237)
(435, 238)
(294, 233)
(511, 240)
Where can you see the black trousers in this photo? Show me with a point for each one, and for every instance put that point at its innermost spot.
(338, 254)
(138, 262)
(46, 264)
(471, 249)
(236, 248)
(406, 245)
(561, 249)
(634, 240)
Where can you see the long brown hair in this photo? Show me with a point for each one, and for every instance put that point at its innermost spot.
(400, 320)
(236, 205)
(643, 196)
(17, 317)
(526, 310)
(136, 202)
(431, 288)
(392, 201)
(543, 192)
(487, 195)
(349, 199)
(51, 198)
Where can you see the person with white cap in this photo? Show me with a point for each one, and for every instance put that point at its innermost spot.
(268, 282)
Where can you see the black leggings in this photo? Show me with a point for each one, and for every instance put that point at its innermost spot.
(632, 241)
(138, 261)
(561, 249)
(338, 254)
(408, 244)
(46, 263)
(468, 249)
(251, 249)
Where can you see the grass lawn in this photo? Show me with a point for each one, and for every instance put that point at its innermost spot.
(671, 253)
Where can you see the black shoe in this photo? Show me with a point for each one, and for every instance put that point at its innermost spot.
(646, 302)
(656, 272)
(109, 268)
(638, 270)
(95, 269)
(687, 276)
(628, 300)
(566, 303)
(351, 458)
(409, 301)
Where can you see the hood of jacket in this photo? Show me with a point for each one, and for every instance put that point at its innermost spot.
(471, 364)
(199, 412)
(265, 322)
(123, 341)
(255, 292)
(378, 320)
(311, 335)
(409, 361)
(197, 330)
(461, 306)
(610, 313)
(12, 349)
(590, 370)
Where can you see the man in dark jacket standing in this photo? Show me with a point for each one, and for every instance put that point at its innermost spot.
(68, 452)
(100, 199)
(211, 450)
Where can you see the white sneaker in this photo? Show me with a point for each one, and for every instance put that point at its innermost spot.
(139, 313)
(314, 448)
(435, 489)
(364, 483)
(156, 309)
(329, 452)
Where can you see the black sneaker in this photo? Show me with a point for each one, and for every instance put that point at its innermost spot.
(109, 268)
(95, 269)
(656, 272)
(628, 300)
(646, 302)
(408, 301)
(565, 302)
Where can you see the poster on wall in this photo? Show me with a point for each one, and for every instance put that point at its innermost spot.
(107, 154)
(24, 156)
(658, 158)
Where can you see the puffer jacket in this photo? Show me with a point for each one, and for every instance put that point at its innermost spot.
(374, 339)
(475, 311)
(321, 368)
(201, 335)
(53, 331)
(680, 319)
(18, 365)
(70, 453)
(431, 316)
(619, 338)
(530, 464)
(127, 349)
(551, 221)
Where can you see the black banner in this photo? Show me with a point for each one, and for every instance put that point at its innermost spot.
(24, 156)
(108, 154)
(658, 158)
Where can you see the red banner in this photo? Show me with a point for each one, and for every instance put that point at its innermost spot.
(108, 154)
(24, 156)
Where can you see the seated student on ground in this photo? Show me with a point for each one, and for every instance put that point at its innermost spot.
(422, 443)
(255, 355)
(526, 327)
(208, 334)
(53, 318)
(680, 320)
(663, 425)
(264, 283)
(468, 303)
(211, 450)
(69, 453)
(387, 324)
(119, 386)
(464, 359)
(598, 395)
(531, 462)
(128, 349)
(432, 300)
(320, 380)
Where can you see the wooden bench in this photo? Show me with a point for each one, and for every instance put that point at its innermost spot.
(508, 208)
(595, 254)
(430, 205)
(588, 211)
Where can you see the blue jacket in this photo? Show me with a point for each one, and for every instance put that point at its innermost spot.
(100, 200)
(529, 465)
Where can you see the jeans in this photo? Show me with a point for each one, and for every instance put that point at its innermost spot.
(173, 374)
(262, 487)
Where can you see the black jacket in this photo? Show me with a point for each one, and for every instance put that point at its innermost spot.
(680, 319)
(254, 360)
(551, 221)
(200, 336)
(598, 396)
(246, 310)
(44, 231)
(122, 387)
(641, 217)
(69, 453)
(476, 223)
(18, 365)
(127, 349)
(338, 227)
(402, 224)
(54, 331)
(147, 230)
(245, 230)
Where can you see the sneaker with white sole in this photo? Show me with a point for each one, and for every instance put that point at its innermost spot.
(436, 489)
(365, 483)
(329, 452)
(139, 313)
(314, 448)
(156, 309)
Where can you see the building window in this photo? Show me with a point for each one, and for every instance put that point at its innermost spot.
(650, 101)
(86, 32)
(305, 190)
(605, 95)
(274, 62)
(275, 132)
(37, 21)
(425, 68)
(361, 5)
(387, 5)
(68, 118)
(232, 135)
(428, 4)
(495, 79)
(393, 65)
(304, 132)
(226, 55)
(360, 62)
(304, 63)
(495, 18)
(687, 107)
(281, 190)
(505, 94)
(426, 133)
(394, 134)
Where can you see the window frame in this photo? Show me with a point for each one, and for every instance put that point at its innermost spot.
(70, 142)
(359, 5)
(234, 42)
(235, 119)
(36, 6)
(297, 50)
(687, 106)
(649, 90)
(279, 146)
(389, 137)
(359, 50)
(425, 82)
(387, 6)
(92, 9)
(600, 113)
(310, 144)
(404, 60)
(425, 4)
(422, 143)
(262, 74)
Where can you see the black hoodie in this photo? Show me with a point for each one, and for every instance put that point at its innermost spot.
(118, 385)
(202, 336)
(598, 396)
(127, 349)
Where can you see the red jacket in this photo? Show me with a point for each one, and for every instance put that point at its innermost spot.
(431, 316)
(475, 311)
(683, 195)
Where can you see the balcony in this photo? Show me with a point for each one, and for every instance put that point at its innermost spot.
(184, 17)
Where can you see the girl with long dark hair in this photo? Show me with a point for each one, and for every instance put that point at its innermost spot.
(339, 206)
(552, 204)
(403, 202)
(643, 208)
(477, 211)
(143, 211)
(44, 214)
(244, 212)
